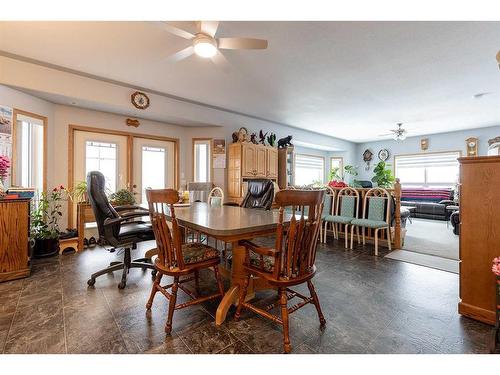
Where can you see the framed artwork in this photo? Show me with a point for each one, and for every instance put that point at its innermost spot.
(424, 144)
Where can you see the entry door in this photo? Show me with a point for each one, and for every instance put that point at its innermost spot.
(153, 166)
(106, 153)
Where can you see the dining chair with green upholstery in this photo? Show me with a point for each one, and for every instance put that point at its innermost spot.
(328, 210)
(376, 215)
(346, 209)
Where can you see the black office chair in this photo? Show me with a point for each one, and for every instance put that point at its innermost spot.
(260, 194)
(118, 227)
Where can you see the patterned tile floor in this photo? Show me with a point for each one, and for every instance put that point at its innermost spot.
(372, 305)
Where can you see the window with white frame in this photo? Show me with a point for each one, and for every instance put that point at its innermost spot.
(428, 170)
(202, 160)
(101, 156)
(309, 169)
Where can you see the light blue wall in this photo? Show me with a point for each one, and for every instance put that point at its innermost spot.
(452, 141)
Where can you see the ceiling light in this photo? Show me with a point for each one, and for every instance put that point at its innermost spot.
(204, 46)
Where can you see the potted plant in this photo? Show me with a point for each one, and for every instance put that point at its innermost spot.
(45, 222)
(122, 197)
(79, 193)
(383, 175)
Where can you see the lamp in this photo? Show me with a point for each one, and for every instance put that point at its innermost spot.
(204, 46)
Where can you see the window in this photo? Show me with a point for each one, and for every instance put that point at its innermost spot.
(153, 169)
(428, 170)
(202, 160)
(338, 163)
(309, 169)
(101, 156)
(29, 158)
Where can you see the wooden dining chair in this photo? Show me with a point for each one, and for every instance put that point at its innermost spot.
(376, 215)
(346, 210)
(178, 259)
(328, 210)
(291, 261)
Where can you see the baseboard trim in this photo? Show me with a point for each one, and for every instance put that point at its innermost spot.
(477, 313)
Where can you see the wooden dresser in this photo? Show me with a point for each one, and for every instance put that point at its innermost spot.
(247, 161)
(479, 235)
(14, 240)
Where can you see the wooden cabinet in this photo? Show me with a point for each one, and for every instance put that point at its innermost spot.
(247, 161)
(286, 167)
(261, 164)
(14, 246)
(479, 235)
(249, 152)
(272, 163)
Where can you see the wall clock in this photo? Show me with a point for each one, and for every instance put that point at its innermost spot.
(383, 154)
(367, 158)
(424, 144)
(140, 100)
(471, 144)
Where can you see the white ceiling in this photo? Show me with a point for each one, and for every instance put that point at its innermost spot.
(351, 80)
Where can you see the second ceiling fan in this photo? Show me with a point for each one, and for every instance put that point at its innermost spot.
(205, 44)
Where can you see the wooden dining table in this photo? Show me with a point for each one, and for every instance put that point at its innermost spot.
(232, 225)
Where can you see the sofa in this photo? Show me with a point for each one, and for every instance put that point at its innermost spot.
(428, 203)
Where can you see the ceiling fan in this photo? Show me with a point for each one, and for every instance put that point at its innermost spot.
(498, 59)
(398, 134)
(205, 44)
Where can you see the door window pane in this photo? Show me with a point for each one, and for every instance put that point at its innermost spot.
(153, 169)
(202, 161)
(29, 158)
(101, 156)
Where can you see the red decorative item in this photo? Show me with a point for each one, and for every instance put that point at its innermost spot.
(337, 184)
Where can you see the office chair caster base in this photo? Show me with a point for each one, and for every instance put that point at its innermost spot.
(122, 284)
(90, 282)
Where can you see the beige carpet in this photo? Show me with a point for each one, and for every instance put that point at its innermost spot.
(429, 243)
(431, 237)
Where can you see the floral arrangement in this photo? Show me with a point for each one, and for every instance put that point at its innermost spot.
(4, 167)
(46, 214)
(496, 266)
(337, 183)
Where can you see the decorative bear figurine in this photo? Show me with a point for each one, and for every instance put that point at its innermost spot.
(285, 142)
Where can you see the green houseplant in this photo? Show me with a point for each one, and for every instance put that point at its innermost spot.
(122, 197)
(383, 175)
(79, 193)
(45, 217)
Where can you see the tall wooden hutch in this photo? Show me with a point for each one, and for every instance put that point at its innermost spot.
(249, 161)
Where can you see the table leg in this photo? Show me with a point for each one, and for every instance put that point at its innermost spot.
(237, 279)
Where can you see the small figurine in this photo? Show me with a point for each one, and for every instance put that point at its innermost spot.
(271, 139)
(235, 137)
(253, 138)
(262, 137)
(285, 142)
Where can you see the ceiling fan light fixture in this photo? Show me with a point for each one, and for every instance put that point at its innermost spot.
(204, 46)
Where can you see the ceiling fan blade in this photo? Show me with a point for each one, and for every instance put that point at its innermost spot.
(182, 54)
(176, 31)
(220, 60)
(208, 27)
(242, 43)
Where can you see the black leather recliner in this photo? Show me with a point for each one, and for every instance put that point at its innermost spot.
(260, 194)
(117, 227)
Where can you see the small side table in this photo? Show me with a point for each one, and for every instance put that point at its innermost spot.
(68, 243)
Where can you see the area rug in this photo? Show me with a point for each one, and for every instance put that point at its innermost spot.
(431, 261)
(429, 243)
(431, 237)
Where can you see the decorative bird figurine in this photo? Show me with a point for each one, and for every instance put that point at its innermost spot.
(262, 137)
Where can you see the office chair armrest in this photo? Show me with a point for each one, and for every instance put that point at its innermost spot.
(130, 208)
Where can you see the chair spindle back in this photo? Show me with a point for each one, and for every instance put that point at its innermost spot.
(297, 240)
(168, 241)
